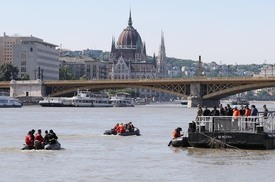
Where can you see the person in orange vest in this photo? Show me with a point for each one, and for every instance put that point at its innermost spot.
(247, 114)
(121, 128)
(29, 140)
(38, 140)
(176, 133)
(236, 114)
(115, 129)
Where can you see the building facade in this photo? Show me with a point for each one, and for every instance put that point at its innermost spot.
(6, 47)
(86, 67)
(128, 59)
(32, 56)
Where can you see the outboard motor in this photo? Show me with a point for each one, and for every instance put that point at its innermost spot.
(192, 127)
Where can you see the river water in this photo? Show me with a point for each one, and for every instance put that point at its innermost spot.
(87, 155)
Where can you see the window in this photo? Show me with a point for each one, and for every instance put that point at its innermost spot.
(94, 71)
(23, 56)
(23, 69)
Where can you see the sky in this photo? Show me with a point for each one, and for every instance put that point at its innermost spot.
(224, 31)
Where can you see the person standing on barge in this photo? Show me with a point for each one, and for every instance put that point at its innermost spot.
(254, 113)
(199, 113)
(236, 115)
(265, 111)
(247, 119)
(216, 122)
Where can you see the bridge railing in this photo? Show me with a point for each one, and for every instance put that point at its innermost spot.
(166, 79)
(232, 123)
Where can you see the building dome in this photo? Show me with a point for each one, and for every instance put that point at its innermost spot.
(129, 38)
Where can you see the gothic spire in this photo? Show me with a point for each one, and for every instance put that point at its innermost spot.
(162, 40)
(130, 19)
(113, 44)
(161, 61)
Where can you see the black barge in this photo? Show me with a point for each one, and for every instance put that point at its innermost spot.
(253, 132)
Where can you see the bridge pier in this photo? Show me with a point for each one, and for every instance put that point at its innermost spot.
(27, 90)
(195, 101)
(196, 94)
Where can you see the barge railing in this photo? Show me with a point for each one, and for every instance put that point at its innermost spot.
(264, 122)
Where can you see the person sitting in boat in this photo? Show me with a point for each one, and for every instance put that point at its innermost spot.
(29, 141)
(46, 138)
(32, 134)
(52, 137)
(38, 140)
(130, 127)
(121, 128)
(176, 133)
(115, 129)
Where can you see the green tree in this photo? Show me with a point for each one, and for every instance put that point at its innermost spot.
(263, 94)
(26, 77)
(83, 77)
(8, 72)
(250, 94)
(65, 73)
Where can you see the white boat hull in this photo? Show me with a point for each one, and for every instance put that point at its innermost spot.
(82, 99)
(9, 102)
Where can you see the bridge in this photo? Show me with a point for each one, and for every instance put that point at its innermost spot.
(205, 91)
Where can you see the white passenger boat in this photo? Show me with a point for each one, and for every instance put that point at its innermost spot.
(240, 101)
(52, 102)
(140, 101)
(101, 99)
(7, 101)
(83, 98)
(122, 99)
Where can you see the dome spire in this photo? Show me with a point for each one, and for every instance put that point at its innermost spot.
(130, 19)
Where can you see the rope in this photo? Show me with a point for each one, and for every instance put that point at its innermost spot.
(218, 143)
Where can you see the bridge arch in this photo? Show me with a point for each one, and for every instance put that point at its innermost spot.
(200, 89)
(238, 89)
(102, 87)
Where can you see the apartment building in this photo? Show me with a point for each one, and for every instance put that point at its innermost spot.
(31, 55)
